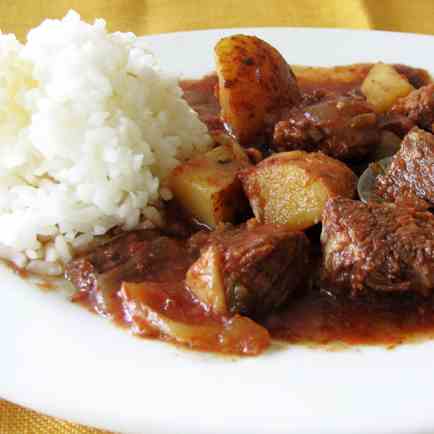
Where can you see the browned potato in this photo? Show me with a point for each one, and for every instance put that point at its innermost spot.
(292, 187)
(384, 85)
(253, 79)
(208, 187)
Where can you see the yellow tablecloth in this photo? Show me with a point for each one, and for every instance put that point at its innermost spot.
(155, 16)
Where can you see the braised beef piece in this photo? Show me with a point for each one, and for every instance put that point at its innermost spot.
(133, 257)
(377, 247)
(201, 96)
(344, 127)
(418, 107)
(417, 77)
(395, 122)
(260, 266)
(411, 173)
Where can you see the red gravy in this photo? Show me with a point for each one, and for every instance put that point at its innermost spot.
(318, 317)
(315, 317)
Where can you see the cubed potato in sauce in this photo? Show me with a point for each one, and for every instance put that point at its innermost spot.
(208, 187)
(291, 188)
(384, 85)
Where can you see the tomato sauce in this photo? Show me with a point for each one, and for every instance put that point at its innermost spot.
(314, 316)
(318, 317)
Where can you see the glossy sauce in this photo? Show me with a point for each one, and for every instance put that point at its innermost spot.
(314, 317)
(321, 318)
(148, 293)
(164, 271)
(318, 317)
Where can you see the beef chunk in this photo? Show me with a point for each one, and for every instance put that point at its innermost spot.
(343, 127)
(395, 122)
(417, 77)
(411, 173)
(250, 270)
(379, 247)
(418, 107)
(132, 257)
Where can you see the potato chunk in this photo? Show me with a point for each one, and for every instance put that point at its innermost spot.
(292, 188)
(253, 79)
(208, 187)
(384, 85)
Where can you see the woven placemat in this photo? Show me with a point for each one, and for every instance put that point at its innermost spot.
(18, 420)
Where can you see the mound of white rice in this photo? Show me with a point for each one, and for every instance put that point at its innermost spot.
(89, 128)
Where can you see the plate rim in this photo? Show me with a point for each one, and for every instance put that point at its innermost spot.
(276, 428)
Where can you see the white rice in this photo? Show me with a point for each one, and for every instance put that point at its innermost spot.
(89, 128)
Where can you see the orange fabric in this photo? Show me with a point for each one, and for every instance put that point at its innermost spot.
(155, 16)
(18, 420)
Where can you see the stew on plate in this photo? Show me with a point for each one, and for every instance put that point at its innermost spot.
(265, 237)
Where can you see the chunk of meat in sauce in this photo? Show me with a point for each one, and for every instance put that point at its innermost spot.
(251, 270)
(201, 96)
(417, 77)
(344, 127)
(411, 172)
(331, 318)
(138, 280)
(133, 257)
(418, 107)
(377, 247)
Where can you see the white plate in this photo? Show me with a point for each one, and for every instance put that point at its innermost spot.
(59, 359)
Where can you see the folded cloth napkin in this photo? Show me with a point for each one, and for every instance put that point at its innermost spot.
(157, 16)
